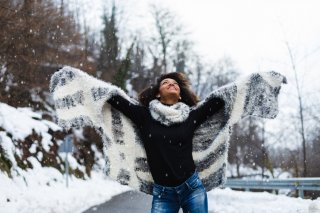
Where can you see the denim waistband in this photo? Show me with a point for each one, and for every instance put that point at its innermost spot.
(181, 187)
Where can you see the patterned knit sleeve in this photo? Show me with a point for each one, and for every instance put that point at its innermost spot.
(132, 111)
(82, 100)
(253, 95)
(205, 109)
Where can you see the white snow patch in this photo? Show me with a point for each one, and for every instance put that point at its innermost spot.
(20, 122)
(8, 147)
(230, 201)
(44, 190)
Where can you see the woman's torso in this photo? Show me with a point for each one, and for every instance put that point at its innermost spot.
(168, 149)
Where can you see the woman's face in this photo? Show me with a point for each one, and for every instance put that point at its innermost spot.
(169, 87)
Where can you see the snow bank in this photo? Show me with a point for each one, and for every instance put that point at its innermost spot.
(20, 122)
(230, 201)
(44, 190)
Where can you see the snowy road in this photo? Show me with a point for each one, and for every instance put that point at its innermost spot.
(220, 201)
(128, 202)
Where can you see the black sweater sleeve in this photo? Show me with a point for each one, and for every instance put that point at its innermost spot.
(206, 109)
(133, 111)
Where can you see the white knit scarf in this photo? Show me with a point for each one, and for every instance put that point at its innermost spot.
(168, 115)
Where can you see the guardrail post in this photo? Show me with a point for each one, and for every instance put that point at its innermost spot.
(301, 193)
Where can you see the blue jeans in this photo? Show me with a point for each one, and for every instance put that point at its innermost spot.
(191, 196)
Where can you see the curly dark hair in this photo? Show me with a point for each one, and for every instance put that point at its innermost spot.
(187, 95)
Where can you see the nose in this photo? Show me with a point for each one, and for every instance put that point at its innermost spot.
(171, 85)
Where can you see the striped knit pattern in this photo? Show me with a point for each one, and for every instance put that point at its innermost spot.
(80, 100)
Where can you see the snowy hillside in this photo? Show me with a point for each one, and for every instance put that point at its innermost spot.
(28, 141)
(44, 190)
(35, 184)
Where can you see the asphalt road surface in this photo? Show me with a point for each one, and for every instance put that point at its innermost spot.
(127, 202)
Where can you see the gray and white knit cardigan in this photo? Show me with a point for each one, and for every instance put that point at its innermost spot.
(81, 100)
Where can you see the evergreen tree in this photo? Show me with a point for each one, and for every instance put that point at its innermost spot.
(110, 49)
(123, 70)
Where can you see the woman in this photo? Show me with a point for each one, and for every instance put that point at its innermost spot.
(168, 141)
(172, 139)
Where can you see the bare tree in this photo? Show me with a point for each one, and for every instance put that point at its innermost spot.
(248, 146)
(210, 77)
(34, 41)
(168, 31)
(139, 72)
(181, 56)
(168, 50)
(301, 111)
(266, 160)
(198, 72)
(314, 157)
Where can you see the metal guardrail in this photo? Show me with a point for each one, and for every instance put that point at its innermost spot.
(300, 184)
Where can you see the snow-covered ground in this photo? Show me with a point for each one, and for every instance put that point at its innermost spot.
(44, 190)
(230, 201)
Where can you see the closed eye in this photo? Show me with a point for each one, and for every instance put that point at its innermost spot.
(164, 82)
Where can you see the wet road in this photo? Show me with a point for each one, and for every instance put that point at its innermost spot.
(128, 202)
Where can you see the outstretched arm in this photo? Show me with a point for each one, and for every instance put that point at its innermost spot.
(133, 111)
(205, 109)
(256, 95)
(80, 99)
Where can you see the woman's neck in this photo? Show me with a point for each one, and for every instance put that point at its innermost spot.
(168, 102)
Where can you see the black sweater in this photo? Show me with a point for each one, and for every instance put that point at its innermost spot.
(168, 148)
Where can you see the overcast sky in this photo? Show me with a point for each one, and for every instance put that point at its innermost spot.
(252, 32)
